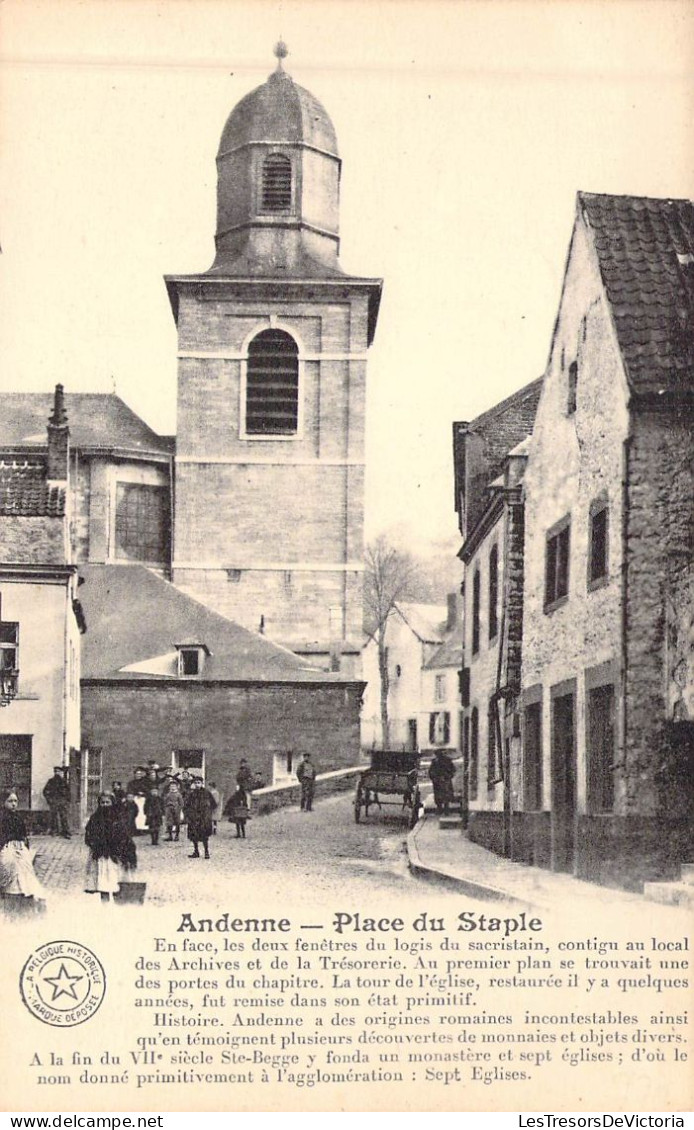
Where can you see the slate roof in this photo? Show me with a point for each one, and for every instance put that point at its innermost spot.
(500, 429)
(96, 420)
(24, 492)
(507, 424)
(427, 621)
(645, 250)
(279, 111)
(133, 616)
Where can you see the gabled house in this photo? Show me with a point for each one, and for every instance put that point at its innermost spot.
(414, 634)
(609, 508)
(590, 770)
(441, 719)
(40, 618)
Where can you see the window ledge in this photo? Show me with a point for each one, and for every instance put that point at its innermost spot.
(598, 583)
(555, 604)
(269, 437)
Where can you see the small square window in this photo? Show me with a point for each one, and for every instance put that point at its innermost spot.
(190, 661)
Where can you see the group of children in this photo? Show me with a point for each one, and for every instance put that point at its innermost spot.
(154, 799)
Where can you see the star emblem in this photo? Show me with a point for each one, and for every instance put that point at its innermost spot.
(63, 984)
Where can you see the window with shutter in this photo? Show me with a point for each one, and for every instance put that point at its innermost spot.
(476, 612)
(474, 767)
(276, 196)
(493, 591)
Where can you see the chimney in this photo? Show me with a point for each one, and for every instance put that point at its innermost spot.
(58, 439)
(452, 601)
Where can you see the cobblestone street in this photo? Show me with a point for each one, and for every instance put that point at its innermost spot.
(288, 855)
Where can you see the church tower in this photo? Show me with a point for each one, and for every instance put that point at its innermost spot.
(272, 344)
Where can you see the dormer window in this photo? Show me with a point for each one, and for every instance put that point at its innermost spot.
(276, 193)
(191, 659)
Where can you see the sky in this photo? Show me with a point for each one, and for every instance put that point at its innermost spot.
(465, 131)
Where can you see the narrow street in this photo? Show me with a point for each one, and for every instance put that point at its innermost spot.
(288, 856)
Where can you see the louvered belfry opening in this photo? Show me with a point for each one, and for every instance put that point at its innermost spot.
(272, 385)
(277, 183)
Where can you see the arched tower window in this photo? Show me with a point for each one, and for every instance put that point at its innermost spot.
(272, 385)
(277, 184)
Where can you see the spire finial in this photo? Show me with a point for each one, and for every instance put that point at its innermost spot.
(280, 51)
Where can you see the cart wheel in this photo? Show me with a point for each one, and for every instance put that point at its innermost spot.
(416, 805)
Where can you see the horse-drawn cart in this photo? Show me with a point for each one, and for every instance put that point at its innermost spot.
(393, 773)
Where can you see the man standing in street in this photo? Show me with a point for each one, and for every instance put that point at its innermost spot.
(441, 774)
(57, 796)
(306, 774)
(199, 806)
(245, 778)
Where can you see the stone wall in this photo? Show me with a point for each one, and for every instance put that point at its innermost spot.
(327, 784)
(660, 546)
(575, 458)
(134, 722)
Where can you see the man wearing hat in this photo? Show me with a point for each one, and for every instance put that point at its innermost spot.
(57, 796)
(306, 773)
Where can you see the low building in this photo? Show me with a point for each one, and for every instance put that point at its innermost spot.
(40, 620)
(167, 679)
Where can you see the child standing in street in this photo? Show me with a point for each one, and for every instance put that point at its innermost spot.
(154, 811)
(238, 811)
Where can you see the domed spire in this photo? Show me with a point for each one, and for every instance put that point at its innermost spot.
(278, 182)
